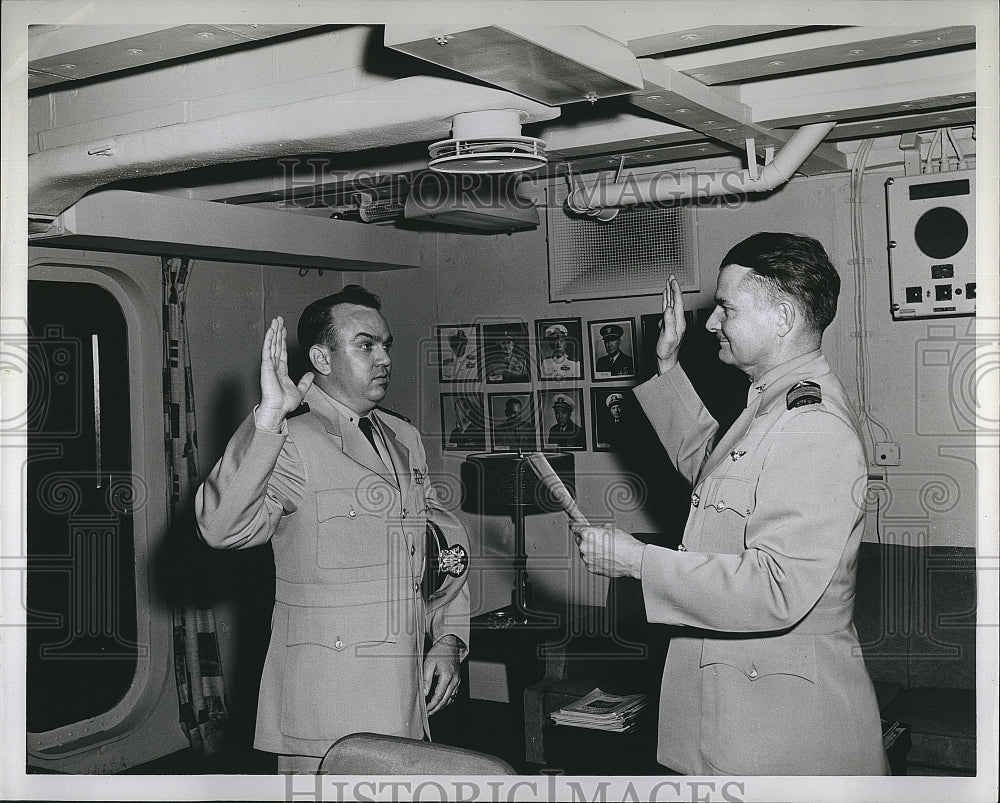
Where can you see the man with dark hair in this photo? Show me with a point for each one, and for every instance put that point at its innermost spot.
(765, 674)
(514, 431)
(339, 488)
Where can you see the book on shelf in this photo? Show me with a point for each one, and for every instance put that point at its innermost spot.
(602, 711)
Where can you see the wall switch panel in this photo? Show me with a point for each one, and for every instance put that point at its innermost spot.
(886, 454)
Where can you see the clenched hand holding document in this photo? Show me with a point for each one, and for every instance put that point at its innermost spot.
(543, 469)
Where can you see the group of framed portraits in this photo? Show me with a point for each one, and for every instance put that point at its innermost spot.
(477, 360)
(551, 352)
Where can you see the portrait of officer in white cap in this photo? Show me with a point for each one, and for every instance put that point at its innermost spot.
(612, 423)
(560, 361)
(566, 433)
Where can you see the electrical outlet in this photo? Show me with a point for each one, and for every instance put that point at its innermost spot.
(886, 454)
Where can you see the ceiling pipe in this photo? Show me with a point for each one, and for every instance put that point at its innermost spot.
(597, 198)
(414, 109)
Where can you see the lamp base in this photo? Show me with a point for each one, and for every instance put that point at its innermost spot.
(514, 615)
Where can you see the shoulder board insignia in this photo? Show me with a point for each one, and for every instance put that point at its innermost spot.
(803, 393)
(387, 411)
(302, 408)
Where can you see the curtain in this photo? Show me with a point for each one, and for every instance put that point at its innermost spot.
(201, 689)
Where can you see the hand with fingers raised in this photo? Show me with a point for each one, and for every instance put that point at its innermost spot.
(671, 327)
(279, 395)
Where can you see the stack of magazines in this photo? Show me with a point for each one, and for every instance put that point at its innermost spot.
(602, 711)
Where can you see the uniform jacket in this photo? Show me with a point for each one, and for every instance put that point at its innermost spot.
(348, 534)
(767, 678)
(561, 367)
(507, 369)
(621, 365)
(571, 436)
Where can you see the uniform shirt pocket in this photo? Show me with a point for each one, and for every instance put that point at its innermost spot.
(749, 689)
(723, 505)
(341, 673)
(758, 658)
(350, 533)
(727, 495)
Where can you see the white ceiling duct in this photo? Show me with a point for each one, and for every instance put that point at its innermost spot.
(665, 187)
(409, 110)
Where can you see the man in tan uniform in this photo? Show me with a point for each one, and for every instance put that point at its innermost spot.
(768, 677)
(340, 489)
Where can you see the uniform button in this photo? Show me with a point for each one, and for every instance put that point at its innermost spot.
(338, 644)
(416, 588)
(404, 513)
(753, 674)
(413, 549)
(720, 505)
(681, 548)
(352, 513)
(695, 499)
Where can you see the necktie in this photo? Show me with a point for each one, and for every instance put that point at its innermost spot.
(365, 425)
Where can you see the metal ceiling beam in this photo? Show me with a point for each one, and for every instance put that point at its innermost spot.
(553, 64)
(684, 101)
(812, 52)
(64, 53)
(142, 223)
(704, 36)
(944, 80)
(947, 118)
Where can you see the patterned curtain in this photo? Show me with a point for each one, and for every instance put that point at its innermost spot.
(201, 688)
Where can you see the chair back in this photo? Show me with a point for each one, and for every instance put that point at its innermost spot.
(377, 754)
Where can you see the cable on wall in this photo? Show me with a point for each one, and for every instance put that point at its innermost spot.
(862, 363)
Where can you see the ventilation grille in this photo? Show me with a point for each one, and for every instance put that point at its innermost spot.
(631, 255)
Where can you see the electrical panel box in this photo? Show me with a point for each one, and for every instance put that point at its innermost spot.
(932, 244)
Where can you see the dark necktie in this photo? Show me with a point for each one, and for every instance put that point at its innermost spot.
(365, 425)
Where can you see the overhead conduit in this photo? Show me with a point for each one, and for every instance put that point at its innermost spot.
(408, 110)
(600, 198)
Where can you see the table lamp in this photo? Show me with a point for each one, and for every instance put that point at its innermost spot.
(505, 482)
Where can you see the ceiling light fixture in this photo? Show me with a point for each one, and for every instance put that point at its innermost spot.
(487, 142)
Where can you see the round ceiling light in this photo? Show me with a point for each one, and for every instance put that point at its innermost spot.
(487, 142)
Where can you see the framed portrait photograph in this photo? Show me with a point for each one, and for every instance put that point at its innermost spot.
(612, 349)
(463, 422)
(649, 329)
(512, 422)
(617, 419)
(458, 352)
(562, 419)
(559, 343)
(505, 348)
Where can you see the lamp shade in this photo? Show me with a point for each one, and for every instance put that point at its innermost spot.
(491, 482)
